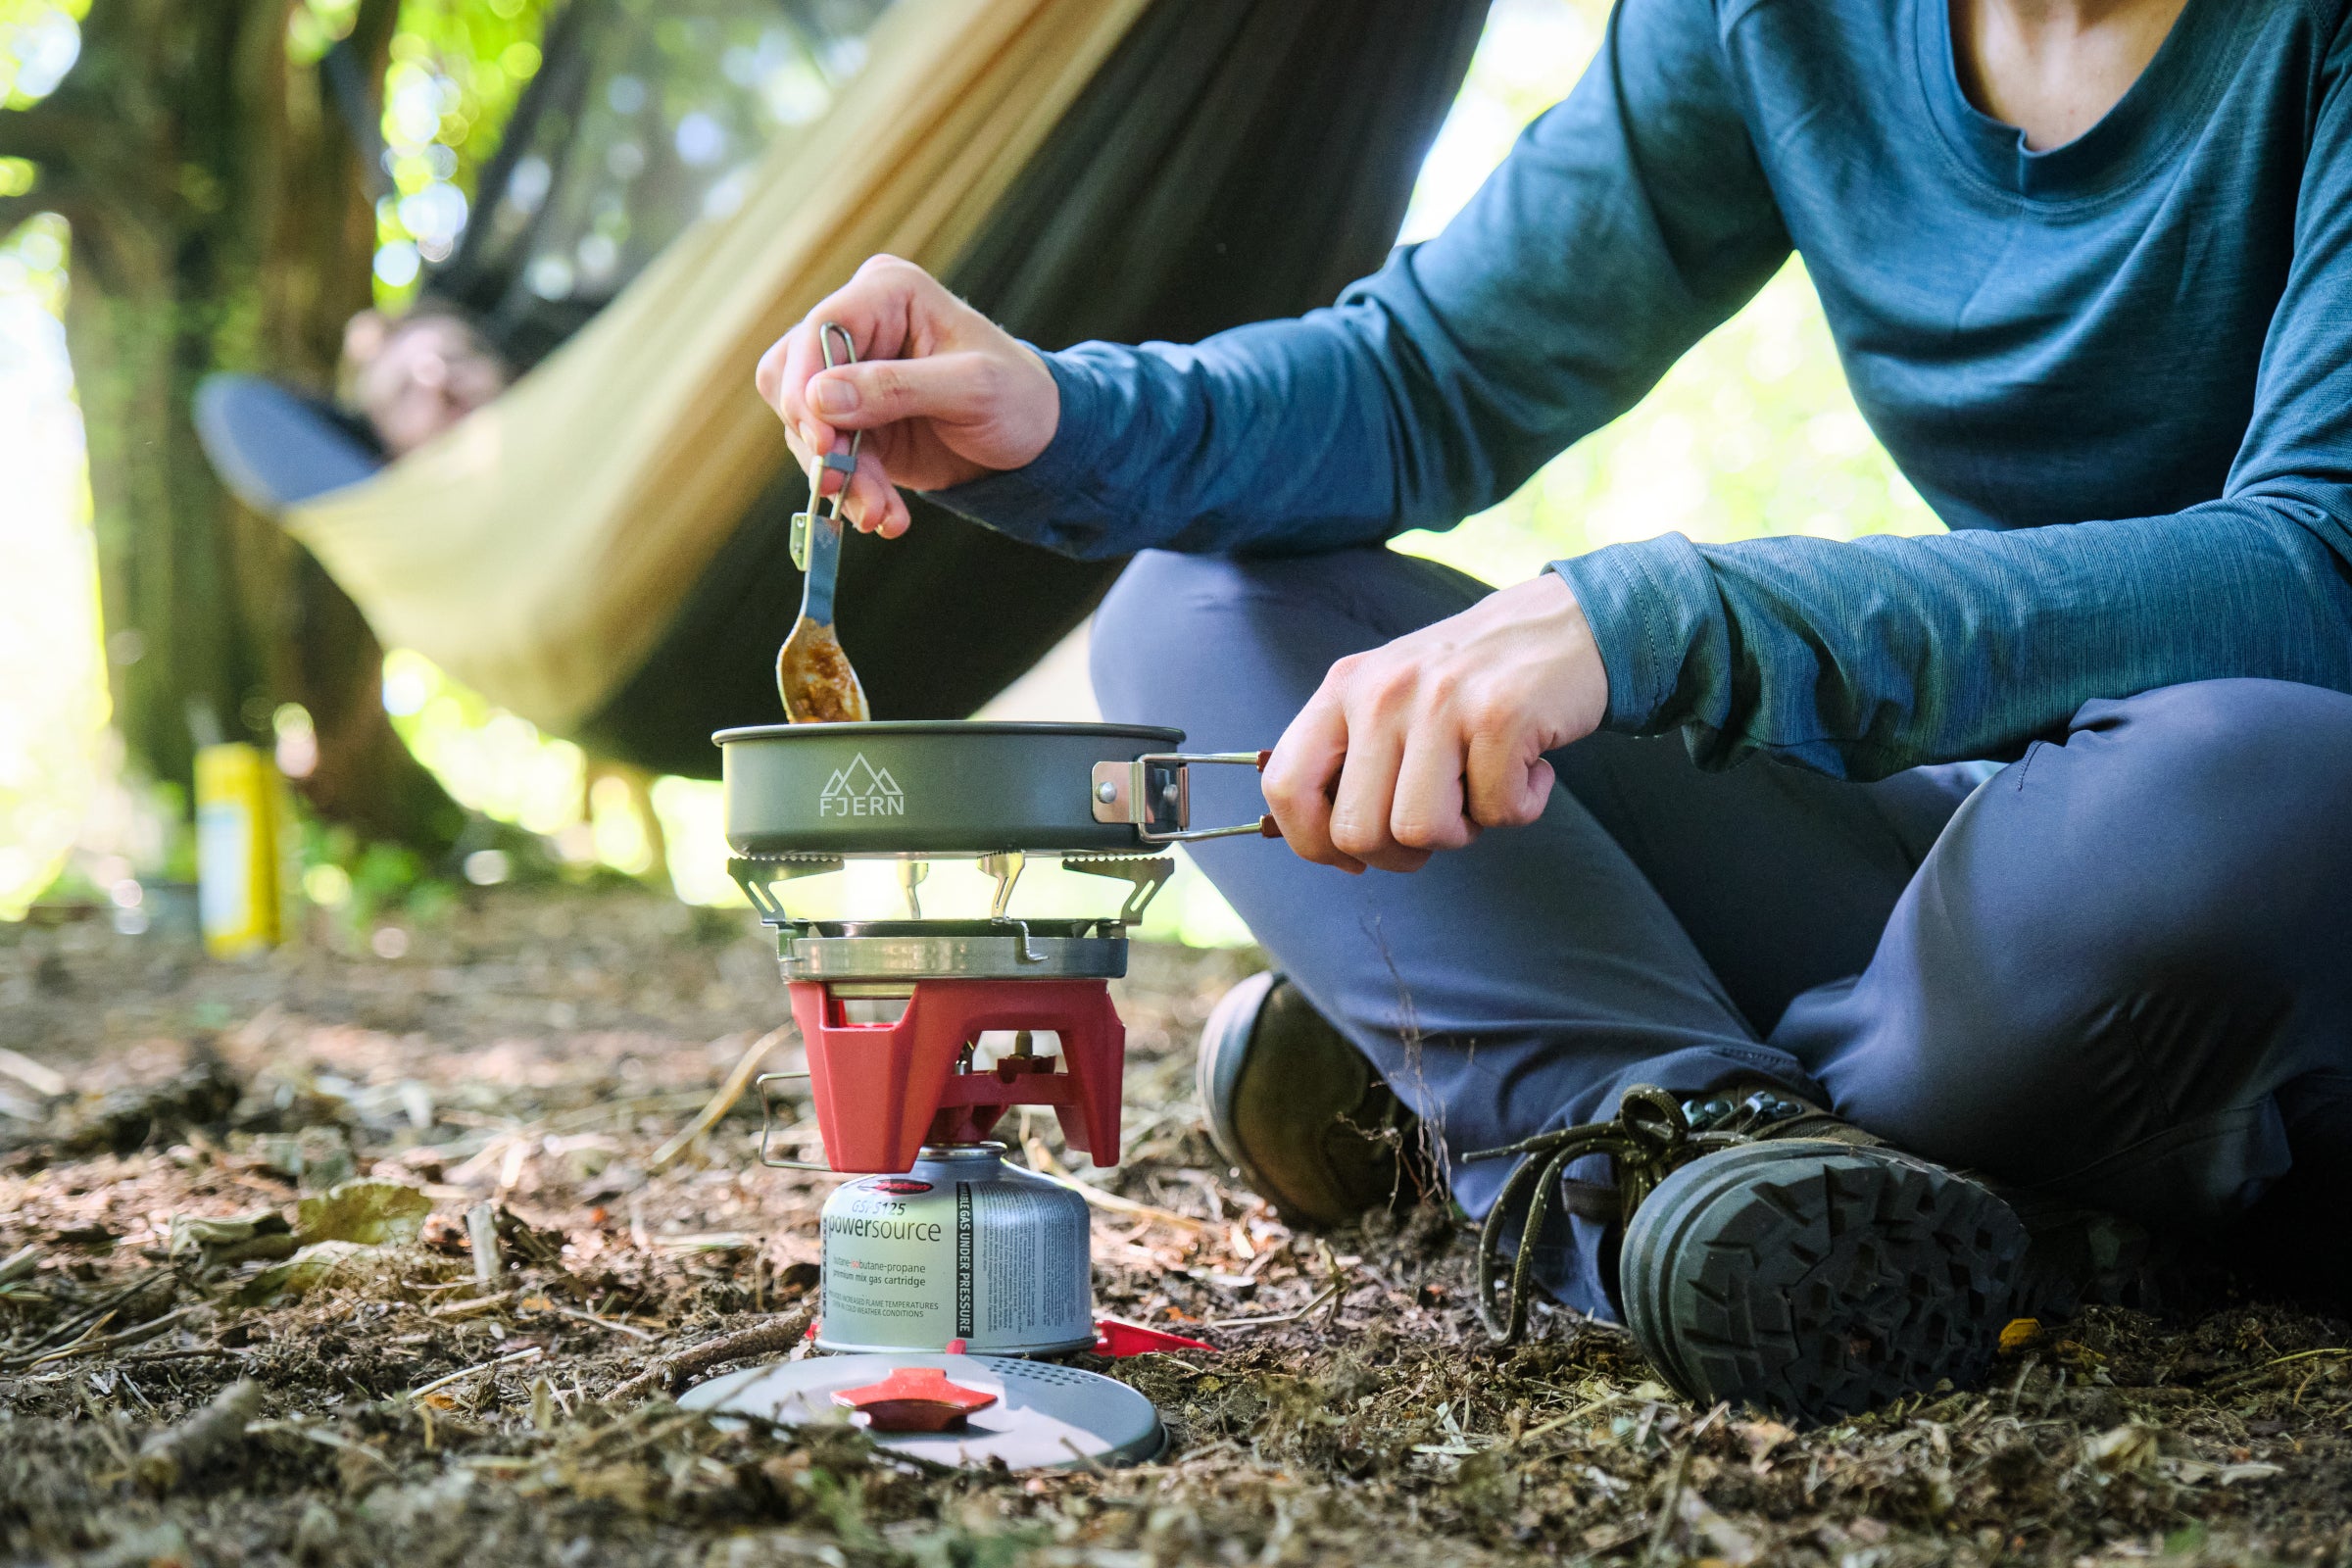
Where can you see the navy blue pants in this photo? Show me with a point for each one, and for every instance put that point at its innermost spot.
(2118, 972)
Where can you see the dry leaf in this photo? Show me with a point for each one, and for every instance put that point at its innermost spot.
(1761, 1437)
(2128, 1450)
(372, 1213)
(236, 1239)
(300, 1274)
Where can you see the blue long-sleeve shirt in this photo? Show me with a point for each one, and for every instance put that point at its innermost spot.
(2120, 370)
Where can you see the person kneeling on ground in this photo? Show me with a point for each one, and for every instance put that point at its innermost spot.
(1864, 1028)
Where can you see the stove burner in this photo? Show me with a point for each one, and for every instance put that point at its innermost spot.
(891, 1013)
(1105, 926)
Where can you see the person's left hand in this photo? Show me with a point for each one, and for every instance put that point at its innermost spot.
(1422, 744)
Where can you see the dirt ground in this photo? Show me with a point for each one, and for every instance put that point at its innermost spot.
(534, 1051)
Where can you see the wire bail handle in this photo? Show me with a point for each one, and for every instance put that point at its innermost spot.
(767, 1122)
(1153, 793)
(843, 464)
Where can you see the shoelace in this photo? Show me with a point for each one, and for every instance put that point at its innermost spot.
(1653, 1135)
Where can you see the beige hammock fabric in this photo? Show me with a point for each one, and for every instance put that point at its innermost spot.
(535, 550)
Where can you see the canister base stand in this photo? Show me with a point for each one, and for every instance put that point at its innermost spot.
(1045, 1416)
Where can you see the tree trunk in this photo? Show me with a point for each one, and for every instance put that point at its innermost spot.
(220, 221)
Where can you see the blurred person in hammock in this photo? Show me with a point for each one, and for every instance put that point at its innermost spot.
(1990, 920)
(413, 376)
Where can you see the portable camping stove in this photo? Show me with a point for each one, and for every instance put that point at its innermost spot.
(943, 1247)
(944, 1241)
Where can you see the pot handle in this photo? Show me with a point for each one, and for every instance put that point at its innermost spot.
(1155, 794)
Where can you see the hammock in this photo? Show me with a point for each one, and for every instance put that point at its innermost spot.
(601, 550)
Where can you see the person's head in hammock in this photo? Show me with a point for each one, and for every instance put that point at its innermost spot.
(412, 377)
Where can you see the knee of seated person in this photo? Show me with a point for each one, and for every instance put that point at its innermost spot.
(1162, 590)
(2219, 772)
(1164, 610)
(1156, 611)
(2267, 740)
(2175, 830)
(1161, 595)
(2013, 1113)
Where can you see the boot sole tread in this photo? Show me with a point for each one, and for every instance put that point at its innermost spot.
(1819, 1282)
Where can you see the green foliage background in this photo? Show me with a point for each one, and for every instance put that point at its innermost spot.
(456, 69)
(1753, 432)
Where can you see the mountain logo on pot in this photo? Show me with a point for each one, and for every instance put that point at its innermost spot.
(862, 790)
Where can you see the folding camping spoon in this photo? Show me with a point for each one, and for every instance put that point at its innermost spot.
(812, 672)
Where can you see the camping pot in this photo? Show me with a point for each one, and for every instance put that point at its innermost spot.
(963, 1247)
(962, 787)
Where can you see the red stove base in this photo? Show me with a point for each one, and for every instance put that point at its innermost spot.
(884, 1090)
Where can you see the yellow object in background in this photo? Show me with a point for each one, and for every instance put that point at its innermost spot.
(239, 819)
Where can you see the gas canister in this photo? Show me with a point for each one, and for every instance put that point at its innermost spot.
(963, 1247)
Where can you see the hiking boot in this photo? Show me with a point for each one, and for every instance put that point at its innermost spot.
(1777, 1256)
(1301, 1113)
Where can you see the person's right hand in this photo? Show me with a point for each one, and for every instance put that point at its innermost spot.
(943, 394)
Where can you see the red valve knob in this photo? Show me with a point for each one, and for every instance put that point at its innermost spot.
(914, 1398)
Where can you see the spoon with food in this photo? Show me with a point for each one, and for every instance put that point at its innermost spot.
(812, 671)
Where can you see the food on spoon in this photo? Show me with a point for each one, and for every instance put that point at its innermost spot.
(814, 676)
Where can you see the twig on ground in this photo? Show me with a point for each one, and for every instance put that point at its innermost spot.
(171, 1455)
(46, 1082)
(332, 1440)
(81, 1323)
(776, 1336)
(1329, 1293)
(1041, 1162)
(2255, 1374)
(104, 1427)
(655, 1430)
(481, 1229)
(93, 1340)
(627, 1105)
(2017, 1386)
(122, 1381)
(1085, 1459)
(629, 1329)
(527, 1354)
(720, 1103)
(1669, 1508)
(136, 1334)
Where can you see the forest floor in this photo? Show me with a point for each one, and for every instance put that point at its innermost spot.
(534, 1051)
